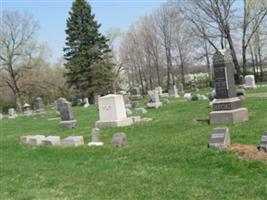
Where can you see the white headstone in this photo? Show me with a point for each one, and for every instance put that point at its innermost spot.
(95, 138)
(153, 99)
(12, 113)
(86, 103)
(250, 82)
(112, 112)
(173, 91)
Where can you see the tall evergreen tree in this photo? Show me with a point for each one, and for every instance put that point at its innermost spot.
(86, 52)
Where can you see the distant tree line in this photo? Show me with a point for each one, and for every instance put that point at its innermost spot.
(161, 48)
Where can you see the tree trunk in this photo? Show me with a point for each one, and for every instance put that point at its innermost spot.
(260, 62)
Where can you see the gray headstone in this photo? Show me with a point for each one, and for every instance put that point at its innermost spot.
(263, 144)
(119, 140)
(65, 111)
(224, 74)
(173, 91)
(39, 107)
(73, 141)
(153, 96)
(220, 138)
(95, 138)
(180, 87)
(51, 140)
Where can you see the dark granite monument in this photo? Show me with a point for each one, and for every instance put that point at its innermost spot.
(67, 119)
(227, 106)
(220, 138)
(135, 94)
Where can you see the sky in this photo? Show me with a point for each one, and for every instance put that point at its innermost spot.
(52, 15)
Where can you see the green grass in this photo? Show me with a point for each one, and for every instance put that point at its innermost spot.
(166, 158)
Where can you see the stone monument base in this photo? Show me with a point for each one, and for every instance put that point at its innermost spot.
(118, 123)
(154, 105)
(68, 124)
(229, 116)
(95, 144)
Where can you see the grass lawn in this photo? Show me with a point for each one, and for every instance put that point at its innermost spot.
(166, 158)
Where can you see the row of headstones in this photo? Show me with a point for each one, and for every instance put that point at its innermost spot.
(220, 139)
(39, 109)
(118, 140)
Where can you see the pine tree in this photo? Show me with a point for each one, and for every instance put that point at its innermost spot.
(86, 52)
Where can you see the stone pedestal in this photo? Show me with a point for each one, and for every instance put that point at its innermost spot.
(68, 124)
(229, 116)
(112, 112)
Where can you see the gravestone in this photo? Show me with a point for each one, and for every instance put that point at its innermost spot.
(51, 140)
(95, 138)
(73, 141)
(59, 102)
(39, 107)
(112, 112)
(1, 116)
(86, 103)
(119, 140)
(226, 106)
(12, 113)
(263, 144)
(135, 94)
(32, 139)
(67, 119)
(241, 80)
(250, 82)
(173, 91)
(180, 88)
(159, 90)
(27, 110)
(153, 99)
(127, 101)
(220, 138)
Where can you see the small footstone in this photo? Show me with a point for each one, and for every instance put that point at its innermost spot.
(73, 141)
(263, 144)
(119, 140)
(95, 138)
(51, 140)
(32, 139)
(220, 138)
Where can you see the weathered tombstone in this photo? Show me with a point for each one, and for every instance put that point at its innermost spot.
(32, 139)
(250, 82)
(127, 101)
(59, 102)
(241, 80)
(140, 110)
(73, 141)
(263, 144)
(227, 106)
(27, 110)
(1, 116)
(173, 91)
(95, 138)
(86, 103)
(159, 90)
(12, 113)
(119, 140)
(67, 119)
(153, 99)
(51, 140)
(39, 107)
(112, 112)
(180, 88)
(135, 94)
(220, 138)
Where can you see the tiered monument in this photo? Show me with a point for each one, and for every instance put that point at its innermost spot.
(227, 106)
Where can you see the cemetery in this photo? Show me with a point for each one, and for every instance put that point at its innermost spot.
(140, 121)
